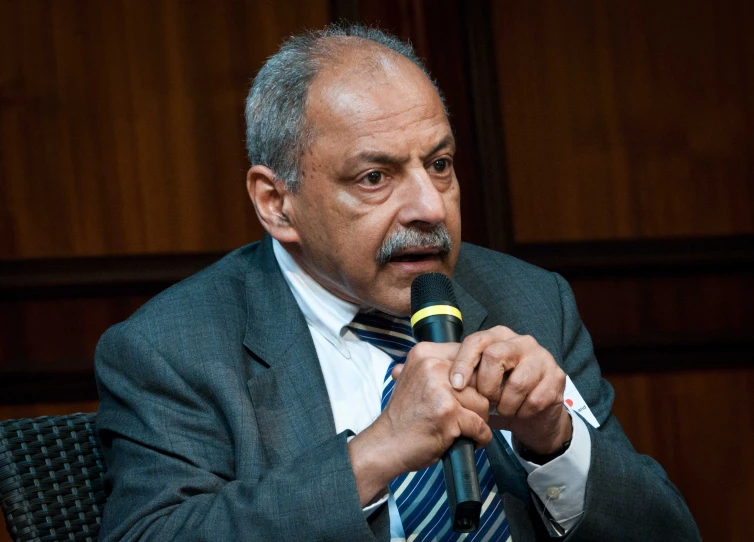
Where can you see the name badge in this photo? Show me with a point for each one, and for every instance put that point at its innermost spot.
(576, 403)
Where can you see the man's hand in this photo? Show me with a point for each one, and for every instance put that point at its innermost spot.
(521, 381)
(423, 418)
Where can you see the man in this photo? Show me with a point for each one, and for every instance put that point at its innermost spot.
(245, 402)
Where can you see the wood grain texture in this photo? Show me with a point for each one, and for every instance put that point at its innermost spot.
(627, 119)
(57, 335)
(662, 309)
(700, 426)
(121, 122)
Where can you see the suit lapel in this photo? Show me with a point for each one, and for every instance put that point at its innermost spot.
(472, 312)
(287, 387)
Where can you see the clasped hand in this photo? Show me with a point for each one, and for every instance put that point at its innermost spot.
(447, 390)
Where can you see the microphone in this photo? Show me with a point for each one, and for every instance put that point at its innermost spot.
(435, 318)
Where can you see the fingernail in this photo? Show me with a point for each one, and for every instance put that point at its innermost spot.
(457, 381)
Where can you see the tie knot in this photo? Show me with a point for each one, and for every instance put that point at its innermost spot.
(388, 333)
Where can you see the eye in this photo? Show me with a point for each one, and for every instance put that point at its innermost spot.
(441, 165)
(373, 177)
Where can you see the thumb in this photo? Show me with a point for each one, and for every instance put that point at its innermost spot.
(397, 370)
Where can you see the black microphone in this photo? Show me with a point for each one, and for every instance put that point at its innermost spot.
(435, 318)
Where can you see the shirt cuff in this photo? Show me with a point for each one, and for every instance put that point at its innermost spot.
(371, 507)
(561, 483)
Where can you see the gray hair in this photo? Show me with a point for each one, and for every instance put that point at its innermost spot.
(276, 130)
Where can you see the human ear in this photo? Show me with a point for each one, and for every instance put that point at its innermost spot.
(271, 198)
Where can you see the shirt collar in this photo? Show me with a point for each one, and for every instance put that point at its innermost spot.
(323, 310)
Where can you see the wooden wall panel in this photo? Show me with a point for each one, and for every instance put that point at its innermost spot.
(627, 119)
(57, 335)
(700, 426)
(691, 308)
(121, 122)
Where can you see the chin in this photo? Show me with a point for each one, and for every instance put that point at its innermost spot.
(396, 302)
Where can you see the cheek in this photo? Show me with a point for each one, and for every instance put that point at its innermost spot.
(362, 239)
(346, 236)
(453, 204)
(366, 225)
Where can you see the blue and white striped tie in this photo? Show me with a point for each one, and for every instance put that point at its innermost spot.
(421, 496)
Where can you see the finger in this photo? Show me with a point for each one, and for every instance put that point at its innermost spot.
(470, 352)
(470, 399)
(547, 394)
(496, 360)
(424, 350)
(397, 370)
(521, 381)
(472, 426)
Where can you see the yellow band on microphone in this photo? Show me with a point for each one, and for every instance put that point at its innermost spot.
(433, 311)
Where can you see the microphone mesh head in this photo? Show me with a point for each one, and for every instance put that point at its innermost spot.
(429, 288)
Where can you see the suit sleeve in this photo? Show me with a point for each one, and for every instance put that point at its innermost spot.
(628, 495)
(171, 467)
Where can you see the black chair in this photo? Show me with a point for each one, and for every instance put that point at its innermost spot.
(51, 475)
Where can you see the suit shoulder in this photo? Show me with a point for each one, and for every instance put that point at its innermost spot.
(516, 294)
(216, 293)
(481, 265)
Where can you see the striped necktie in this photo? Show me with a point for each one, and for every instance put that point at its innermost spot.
(421, 496)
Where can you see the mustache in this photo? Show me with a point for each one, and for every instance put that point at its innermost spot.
(437, 237)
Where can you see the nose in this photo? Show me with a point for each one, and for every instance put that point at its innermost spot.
(423, 202)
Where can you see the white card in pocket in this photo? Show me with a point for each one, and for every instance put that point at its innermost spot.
(575, 402)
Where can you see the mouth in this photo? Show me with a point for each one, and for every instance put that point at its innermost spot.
(417, 255)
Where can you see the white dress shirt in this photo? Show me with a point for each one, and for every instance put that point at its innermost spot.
(354, 372)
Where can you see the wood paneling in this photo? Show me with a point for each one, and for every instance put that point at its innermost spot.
(700, 426)
(627, 119)
(57, 335)
(680, 309)
(47, 345)
(121, 122)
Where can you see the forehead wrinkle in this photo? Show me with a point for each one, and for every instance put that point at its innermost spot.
(377, 156)
(369, 156)
(384, 118)
(348, 84)
(349, 109)
(346, 97)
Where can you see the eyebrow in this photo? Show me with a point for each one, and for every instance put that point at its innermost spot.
(387, 159)
(447, 141)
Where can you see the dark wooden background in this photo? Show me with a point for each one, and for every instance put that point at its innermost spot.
(610, 141)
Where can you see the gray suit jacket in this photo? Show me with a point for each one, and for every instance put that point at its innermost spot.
(216, 424)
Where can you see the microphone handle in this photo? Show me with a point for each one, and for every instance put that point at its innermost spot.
(459, 462)
(462, 483)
